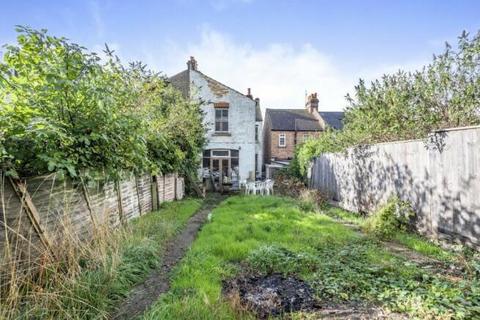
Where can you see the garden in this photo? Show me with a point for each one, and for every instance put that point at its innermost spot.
(343, 264)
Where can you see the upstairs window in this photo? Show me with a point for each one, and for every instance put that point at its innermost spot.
(256, 132)
(221, 119)
(282, 140)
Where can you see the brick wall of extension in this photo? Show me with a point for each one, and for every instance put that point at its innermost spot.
(292, 139)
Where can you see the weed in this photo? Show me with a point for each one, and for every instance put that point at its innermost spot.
(394, 217)
(90, 276)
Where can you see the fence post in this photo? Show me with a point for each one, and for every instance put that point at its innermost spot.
(32, 213)
(175, 186)
(138, 197)
(154, 191)
(119, 198)
(87, 200)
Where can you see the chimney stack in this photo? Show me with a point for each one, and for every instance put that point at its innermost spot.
(312, 103)
(257, 101)
(249, 93)
(192, 64)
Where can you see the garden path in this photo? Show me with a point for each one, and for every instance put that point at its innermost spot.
(158, 282)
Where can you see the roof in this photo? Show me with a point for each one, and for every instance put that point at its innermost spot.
(292, 120)
(181, 81)
(333, 118)
(301, 120)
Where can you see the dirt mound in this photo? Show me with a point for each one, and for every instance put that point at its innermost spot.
(270, 295)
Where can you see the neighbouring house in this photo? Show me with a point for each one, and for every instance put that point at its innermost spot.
(284, 129)
(233, 121)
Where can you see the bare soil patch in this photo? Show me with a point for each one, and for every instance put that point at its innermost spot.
(270, 295)
(158, 282)
(278, 295)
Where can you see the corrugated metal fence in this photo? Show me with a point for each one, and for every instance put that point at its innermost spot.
(439, 177)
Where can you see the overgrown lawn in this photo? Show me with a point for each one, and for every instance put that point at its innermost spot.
(271, 234)
(109, 267)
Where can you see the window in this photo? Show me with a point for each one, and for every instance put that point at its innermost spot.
(234, 159)
(221, 119)
(282, 140)
(256, 132)
(206, 159)
(212, 155)
(256, 162)
(220, 153)
(305, 137)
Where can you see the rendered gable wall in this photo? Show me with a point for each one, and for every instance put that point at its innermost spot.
(241, 120)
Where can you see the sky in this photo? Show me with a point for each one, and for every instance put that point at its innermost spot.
(279, 49)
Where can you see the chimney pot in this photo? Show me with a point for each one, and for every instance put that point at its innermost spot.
(192, 63)
(249, 93)
(312, 103)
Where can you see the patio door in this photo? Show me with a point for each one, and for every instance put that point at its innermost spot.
(220, 167)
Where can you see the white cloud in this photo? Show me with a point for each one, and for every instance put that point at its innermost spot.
(97, 18)
(279, 74)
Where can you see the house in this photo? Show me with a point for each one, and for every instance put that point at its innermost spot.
(233, 121)
(284, 129)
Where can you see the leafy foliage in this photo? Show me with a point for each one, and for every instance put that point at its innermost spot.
(63, 109)
(409, 105)
(392, 218)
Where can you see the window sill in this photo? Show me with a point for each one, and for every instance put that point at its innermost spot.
(222, 134)
(283, 147)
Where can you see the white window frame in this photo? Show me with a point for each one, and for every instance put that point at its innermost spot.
(280, 137)
(213, 155)
(306, 136)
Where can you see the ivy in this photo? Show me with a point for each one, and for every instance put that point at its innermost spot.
(64, 109)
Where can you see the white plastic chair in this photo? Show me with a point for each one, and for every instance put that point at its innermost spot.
(269, 187)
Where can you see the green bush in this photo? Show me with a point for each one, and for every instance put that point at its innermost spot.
(65, 110)
(394, 217)
(408, 105)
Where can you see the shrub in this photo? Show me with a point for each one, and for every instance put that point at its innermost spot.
(65, 110)
(312, 199)
(395, 216)
(288, 185)
(408, 105)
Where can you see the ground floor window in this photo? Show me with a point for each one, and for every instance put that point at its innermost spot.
(221, 162)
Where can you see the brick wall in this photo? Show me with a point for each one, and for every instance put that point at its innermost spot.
(292, 137)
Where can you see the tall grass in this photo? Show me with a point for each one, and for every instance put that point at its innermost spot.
(83, 279)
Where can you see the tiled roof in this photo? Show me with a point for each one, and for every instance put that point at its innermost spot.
(333, 118)
(302, 120)
(292, 120)
(181, 81)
